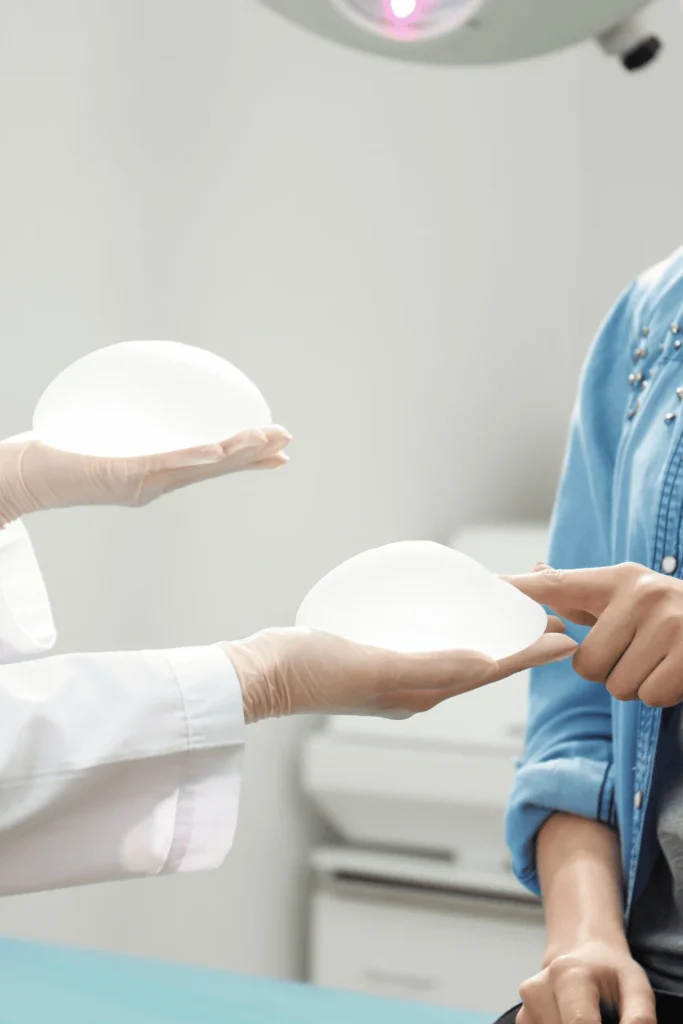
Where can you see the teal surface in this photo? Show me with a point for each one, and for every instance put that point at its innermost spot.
(58, 985)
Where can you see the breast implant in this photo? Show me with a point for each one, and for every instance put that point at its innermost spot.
(142, 398)
(418, 596)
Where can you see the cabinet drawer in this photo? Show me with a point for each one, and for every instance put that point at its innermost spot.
(468, 952)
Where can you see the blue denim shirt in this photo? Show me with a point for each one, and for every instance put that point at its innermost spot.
(620, 500)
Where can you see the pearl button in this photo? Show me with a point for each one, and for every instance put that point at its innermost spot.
(675, 328)
(669, 564)
(645, 331)
(638, 800)
(679, 393)
(678, 343)
(670, 417)
(635, 378)
(632, 411)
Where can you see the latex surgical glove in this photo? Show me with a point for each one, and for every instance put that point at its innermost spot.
(290, 671)
(34, 477)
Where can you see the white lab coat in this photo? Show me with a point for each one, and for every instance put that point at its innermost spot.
(112, 766)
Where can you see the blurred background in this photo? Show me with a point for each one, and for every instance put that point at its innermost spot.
(411, 262)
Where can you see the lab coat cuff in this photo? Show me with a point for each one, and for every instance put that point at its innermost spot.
(208, 801)
(27, 628)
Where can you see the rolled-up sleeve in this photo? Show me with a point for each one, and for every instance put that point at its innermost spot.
(112, 765)
(567, 764)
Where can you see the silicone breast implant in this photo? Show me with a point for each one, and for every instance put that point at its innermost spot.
(418, 596)
(146, 398)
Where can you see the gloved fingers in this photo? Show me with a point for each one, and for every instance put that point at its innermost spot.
(204, 455)
(174, 480)
(461, 671)
(277, 436)
(250, 453)
(195, 474)
(238, 450)
(553, 646)
(404, 703)
(444, 671)
(273, 462)
(269, 440)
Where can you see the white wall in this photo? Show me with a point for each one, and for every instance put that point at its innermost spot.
(394, 254)
(631, 159)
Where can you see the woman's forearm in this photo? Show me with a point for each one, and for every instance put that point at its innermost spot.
(580, 872)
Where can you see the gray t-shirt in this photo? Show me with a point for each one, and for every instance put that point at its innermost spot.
(656, 927)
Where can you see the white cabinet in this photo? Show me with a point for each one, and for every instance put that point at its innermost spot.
(466, 951)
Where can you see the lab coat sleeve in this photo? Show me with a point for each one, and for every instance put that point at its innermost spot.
(112, 766)
(26, 626)
(567, 765)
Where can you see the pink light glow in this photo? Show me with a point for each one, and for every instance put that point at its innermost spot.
(402, 9)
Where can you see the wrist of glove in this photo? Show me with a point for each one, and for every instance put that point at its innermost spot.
(34, 477)
(15, 501)
(294, 671)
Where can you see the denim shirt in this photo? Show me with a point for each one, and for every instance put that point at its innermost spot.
(620, 500)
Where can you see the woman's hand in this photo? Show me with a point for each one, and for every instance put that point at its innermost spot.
(34, 477)
(635, 646)
(289, 671)
(574, 986)
(587, 961)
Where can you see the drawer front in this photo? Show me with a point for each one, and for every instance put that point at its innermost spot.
(468, 953)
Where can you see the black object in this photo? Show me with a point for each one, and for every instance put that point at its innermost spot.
(669, 1011)
(642, 54)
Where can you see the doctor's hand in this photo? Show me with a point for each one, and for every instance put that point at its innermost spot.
(293, 671)
(635, 646)
(34, 477)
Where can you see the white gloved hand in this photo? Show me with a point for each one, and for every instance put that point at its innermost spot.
(34, 477)
(290, 671)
